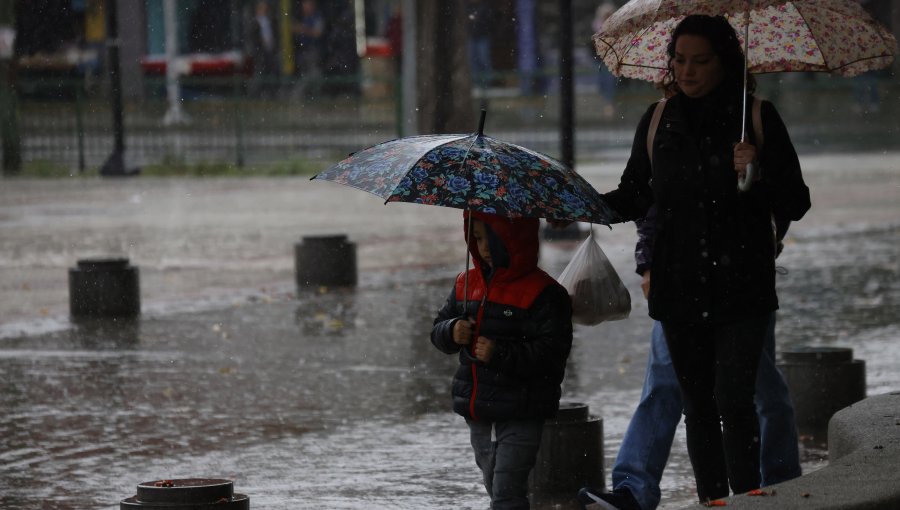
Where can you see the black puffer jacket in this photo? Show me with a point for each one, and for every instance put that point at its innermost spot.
(527, 314)
(713, 256)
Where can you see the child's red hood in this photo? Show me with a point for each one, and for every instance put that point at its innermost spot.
(519, 236)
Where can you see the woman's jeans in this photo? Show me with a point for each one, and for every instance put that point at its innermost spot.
(645, 447)
(506, 458)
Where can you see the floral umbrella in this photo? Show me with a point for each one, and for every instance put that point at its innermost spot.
(474, 172)
(836, 36)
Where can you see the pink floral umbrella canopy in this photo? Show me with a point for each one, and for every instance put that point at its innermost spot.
(836, 36)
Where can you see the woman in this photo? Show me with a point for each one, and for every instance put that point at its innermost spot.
(713, 264)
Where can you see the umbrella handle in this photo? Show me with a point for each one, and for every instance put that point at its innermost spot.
(746, 182)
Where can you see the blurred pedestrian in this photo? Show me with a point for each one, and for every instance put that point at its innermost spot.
(394, 34)
(511, 325)
(480, 27)
(606, 81)
(308, 31)
(341, 61)
(528, 58)
(263, 50)
(713, 266)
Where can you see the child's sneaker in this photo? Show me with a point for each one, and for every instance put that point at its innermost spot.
(591, 499)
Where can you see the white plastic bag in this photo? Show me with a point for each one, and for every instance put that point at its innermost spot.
(597, 292)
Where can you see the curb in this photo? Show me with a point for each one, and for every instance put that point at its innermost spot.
(863, 471)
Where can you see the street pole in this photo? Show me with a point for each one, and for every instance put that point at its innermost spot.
(566, 87)
(175, 114)
(115, 164)
(237, 90)
(410, 124)
(9, 111)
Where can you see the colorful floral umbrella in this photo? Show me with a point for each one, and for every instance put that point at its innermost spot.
(474, 172)
(836, 36)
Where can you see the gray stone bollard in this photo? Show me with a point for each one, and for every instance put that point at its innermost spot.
(104, 288)
(822, 381)
(325, 260)
(187, 494)
(570, 457)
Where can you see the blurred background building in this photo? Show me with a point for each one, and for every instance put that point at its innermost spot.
(293, 85)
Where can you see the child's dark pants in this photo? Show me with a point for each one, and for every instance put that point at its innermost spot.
(506, 461)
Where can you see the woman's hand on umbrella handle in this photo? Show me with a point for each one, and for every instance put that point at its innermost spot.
(484, 349)
(745, 165)
(462, 331)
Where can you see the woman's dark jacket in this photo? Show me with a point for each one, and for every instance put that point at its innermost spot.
(529, 316)
(713, 258)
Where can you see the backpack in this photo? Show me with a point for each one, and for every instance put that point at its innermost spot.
(755, 120)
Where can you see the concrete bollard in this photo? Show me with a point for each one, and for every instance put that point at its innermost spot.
(187, 494)
(325, 260)
(822, 381)
(570, 457)
(104, 288)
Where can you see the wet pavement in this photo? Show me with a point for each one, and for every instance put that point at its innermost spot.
(334, 398)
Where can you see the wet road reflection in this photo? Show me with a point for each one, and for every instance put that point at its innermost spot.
(337, 397)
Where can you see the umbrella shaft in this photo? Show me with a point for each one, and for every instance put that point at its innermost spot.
(746, 71)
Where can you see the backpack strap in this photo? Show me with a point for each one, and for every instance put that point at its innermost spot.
(755, 120)
(654, 125)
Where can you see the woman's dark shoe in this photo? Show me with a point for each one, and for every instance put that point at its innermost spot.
(592, 499)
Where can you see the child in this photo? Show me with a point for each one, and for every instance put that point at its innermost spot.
(513, 332)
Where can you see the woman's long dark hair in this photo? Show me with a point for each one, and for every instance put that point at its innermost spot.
(724, 43)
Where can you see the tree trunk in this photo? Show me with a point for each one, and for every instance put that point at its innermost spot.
(444, 78)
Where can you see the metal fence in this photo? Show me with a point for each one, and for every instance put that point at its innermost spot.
(68, 123)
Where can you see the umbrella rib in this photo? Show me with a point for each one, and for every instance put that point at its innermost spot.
(643, 66)
(828, 67)
(848, 64)
(611, 48)
(818, 47)
(462, 164)
(640, 35)
(394, 189)
(819, 70)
